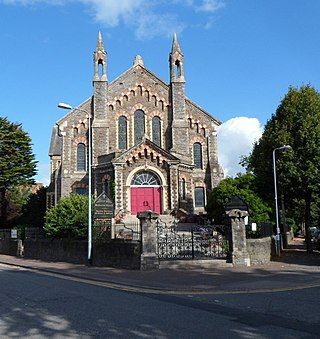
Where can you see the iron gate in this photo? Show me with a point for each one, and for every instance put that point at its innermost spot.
(185, 241)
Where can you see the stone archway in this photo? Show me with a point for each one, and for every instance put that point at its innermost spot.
(146, 192)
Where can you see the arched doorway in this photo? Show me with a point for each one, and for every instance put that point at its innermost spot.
(146, 192)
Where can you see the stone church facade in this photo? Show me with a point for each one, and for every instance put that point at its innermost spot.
(152, 148)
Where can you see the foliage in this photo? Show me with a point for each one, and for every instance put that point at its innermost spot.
(33, 212)
(17, 162)
(296, 123)
(242, 185)
(17, 198)
(69, 218)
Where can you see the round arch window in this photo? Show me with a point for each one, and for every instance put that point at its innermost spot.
(145, 179)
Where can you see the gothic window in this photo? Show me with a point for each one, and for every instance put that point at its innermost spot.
(156, 130)
(81, 157)
(122, 132)
(197, 155)
(75, 132)
(145, 179)
(199, 197)
(138, 126)
(183, 189)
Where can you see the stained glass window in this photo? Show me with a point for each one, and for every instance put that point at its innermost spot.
(138, 126)
(81, 157)
(145, 179)
(197, 155)
(122, 130)
(199, 197)
(156, 130)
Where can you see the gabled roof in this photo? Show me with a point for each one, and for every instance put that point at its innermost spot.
(148, 145)
(55, 143)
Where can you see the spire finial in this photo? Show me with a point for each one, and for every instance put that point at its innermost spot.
(175, 44)
(100, 45)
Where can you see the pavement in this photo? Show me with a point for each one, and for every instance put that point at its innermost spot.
(294, 269)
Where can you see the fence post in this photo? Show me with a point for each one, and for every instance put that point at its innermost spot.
(236, 211)
(149, 257)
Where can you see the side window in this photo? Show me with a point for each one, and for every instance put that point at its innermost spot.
(138, 126)
(122, 133)
(183, 189)
(156, 130)
(197, 155)
(81, 157)
(199, 197)
(80, 190)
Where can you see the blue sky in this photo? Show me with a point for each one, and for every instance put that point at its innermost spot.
(240, 58)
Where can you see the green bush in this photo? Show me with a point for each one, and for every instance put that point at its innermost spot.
(69, 218)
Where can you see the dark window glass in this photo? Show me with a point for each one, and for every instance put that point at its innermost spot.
(81, 190)
(156, 130)
(199, 197)
(138, 126)
(81, 157)
(183, 189)
(122, 132)
(197, 155)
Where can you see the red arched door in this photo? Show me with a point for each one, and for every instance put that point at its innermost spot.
(146, 193)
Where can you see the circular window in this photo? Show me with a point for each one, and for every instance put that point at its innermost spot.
(145, 179)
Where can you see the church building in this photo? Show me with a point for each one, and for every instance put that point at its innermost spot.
(152, 148)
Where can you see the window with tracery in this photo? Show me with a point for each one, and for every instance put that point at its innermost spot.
(122, 133)
(156, 130)
(139, 126)
(81, 157)
(197, 155)
(145, 179)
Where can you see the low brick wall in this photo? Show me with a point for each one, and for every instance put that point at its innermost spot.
(260, 250)
(121, 254)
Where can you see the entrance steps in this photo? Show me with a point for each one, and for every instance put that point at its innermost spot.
(132, 219)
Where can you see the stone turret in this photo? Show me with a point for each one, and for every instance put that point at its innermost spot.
(100, 129)
(180, 129)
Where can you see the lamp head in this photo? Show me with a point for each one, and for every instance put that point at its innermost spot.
(64, 106)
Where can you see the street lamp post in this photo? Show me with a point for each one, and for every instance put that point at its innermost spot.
(284, 147)
(67, 106)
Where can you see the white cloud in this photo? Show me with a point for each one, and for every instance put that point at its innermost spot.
(43, 175)
(210, 6)
(147, 18)
(235, 139)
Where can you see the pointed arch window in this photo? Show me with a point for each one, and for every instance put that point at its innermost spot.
(81, 157)
(122, 133)
(139, 126)
(197, 155)
(156, 130)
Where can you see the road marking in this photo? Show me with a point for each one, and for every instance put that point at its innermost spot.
(149, 290)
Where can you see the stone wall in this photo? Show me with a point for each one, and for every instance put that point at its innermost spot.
(260, 250)
(115, 253)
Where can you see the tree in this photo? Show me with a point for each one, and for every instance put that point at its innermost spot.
(242, 185)
(17, 162)
(69, 218)
(296, 122)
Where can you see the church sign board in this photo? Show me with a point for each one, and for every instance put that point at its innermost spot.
(103, 208)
